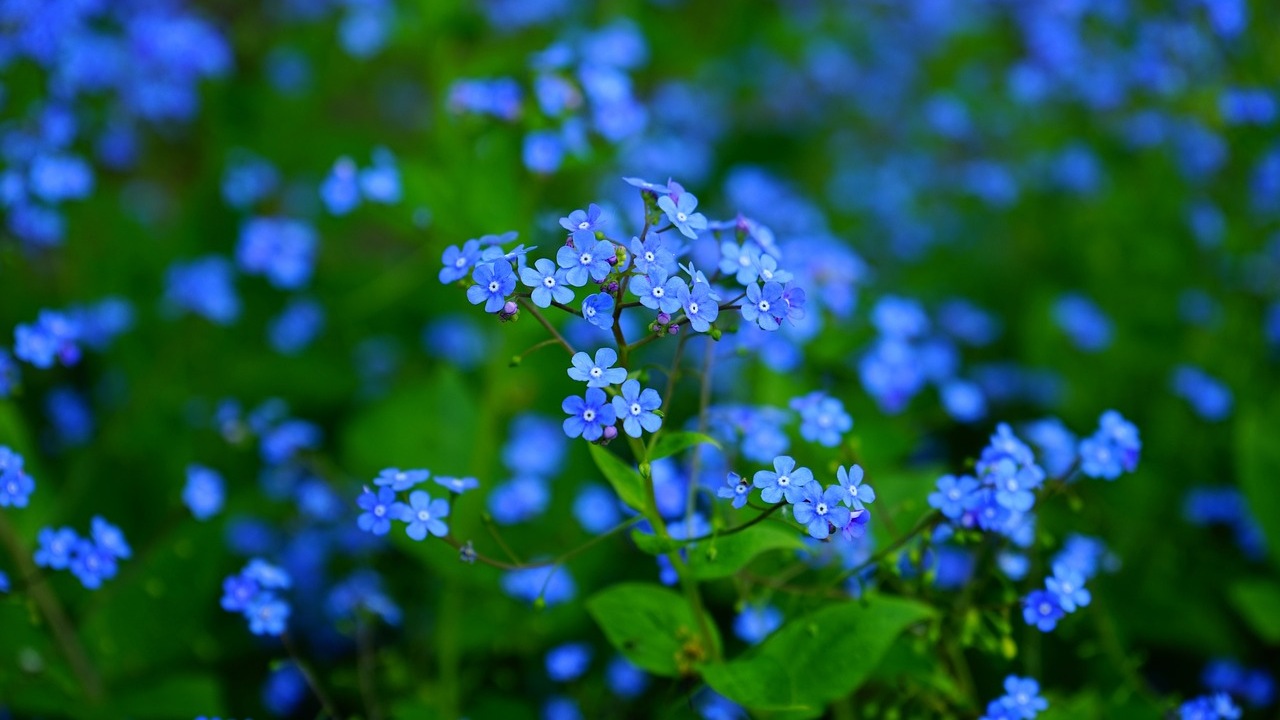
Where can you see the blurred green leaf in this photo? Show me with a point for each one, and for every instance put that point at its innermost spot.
(171, 697)
(652, 626)
(817, 658)
(723, 556)
(626, 481)
(670, 443)
(1259, 602)
(1258, 461)
(654, 545)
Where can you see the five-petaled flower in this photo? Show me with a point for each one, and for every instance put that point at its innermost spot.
(638, 408)
(589, 415)
(494, 282)
(548, 283)
(599, 372)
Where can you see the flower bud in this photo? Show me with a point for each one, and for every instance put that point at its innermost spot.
(673, 330)
(663, 318)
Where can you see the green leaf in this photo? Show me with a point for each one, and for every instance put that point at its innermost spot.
(817, 658)
(673, 442)
(1258, 461)
(723, 556)
(652, 626)
(624, 479)
(174, 696)
(1258, 601)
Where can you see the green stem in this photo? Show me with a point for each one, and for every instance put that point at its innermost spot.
(533, 310)
(325, 701)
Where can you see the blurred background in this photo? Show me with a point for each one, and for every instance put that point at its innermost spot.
(243, 208)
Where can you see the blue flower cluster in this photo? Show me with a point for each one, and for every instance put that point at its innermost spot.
(16, 486)
(255, 592)
(204, 493)
(581, 86)
(1226, 506)
(1210, 707)
(348, 185)
(1021, 701)
(1255, 686)
(839, 507)
(422, 514)
(92, 560)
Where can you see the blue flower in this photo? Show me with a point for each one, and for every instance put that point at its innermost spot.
(204, 492)
(92, 563)
(548, 283)
(588, 416)
(820, 510)
(267, 615)
(568, 662)
(624, 679)
(1021, 700)
(596, 508)
(16, 485)
(954, 496)
(743, 262)
(51, 338)
(585, 261)
(1067, 584)
(656, 291)
(637, 408)
(857, 525)
(767, 269)
(1113, 449)
(736, 489)
(380, 509)
(424, 515)
(340, 191)
(1083, 321)
(519, 500)
(1014, 485)
(680, 212)
(600, 372)
(204, 286)
(109, 538)
(457, 485)
(583, 224)
(756, 622)
(54, 551)
(266, 575)
(701, 305)
(1219, 706)
(822, 418)
(400, 480)
(493, 283)
(281, 249)
(598, 310)
(458, 261)
(1041, 608)
(552, 583)
(786, 480)
(296, 326)
(851, 481)
(764, 306)
(651, 254)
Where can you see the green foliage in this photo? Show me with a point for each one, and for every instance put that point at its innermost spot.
(817, 658)
(652, 626)
(626, 481)
(723, 555)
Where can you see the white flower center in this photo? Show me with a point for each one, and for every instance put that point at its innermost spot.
(1045, 608)
(493, 286)
(589, 415)
(741, 489)
(461, 262)
(379, 510)
(549, 281)
(636, 409)
(596, 372)
(589, 311)
(954, 494)
(766, 273)
(821, 509)
(584, 225)
(585, 258)
(693, 308)
(763, 305)
(784, 480)
(649, 256)
(659, 292)
(423, 516)
(681, 217)
(744, 260)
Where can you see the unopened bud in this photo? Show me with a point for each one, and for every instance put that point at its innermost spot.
(613, 260)
(510, 308)
(673, 330)
(612, 287)
(663, 318)
(610, 432)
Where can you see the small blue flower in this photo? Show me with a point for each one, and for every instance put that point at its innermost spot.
(109, 538)
(570, 661)
(456, 485)
(16, 485)
(1219, 706)
(743, 262)
(400, 480)
(583, 224)
(736, 489)
(598, 310)
(585, 261)
(821, 510)
(267, 615)
(380, 509)
(785, 481)
(1014, 485)
(282, 249)
(822, 418)
(54, 551)
(851, 481)
(756, 622)
(701, 305)
(764, 306)
(92, 564)
(494, 282)
(767, 269)
(637, 408)
(588, 416)
(424, 516)
(1021, 700)
(954, 496)
(651, 254)
(658, 292)
(52, 337)
(624, 679)
(680, 212)
(204, 492)
(548, 283)
(458, 261)
(600, 372)
(238, 593)
(1041, 608)
(1067, 585)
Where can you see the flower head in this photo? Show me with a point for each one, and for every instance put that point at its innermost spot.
(785, 481)
(736, 489)
(548, 283)
(493, 283)
(588, 415)
(599, 372)
(426, 515)
(637, 408)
